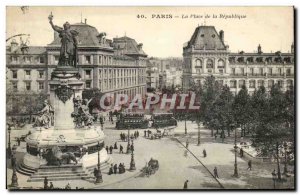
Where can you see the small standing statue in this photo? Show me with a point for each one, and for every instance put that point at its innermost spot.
(68, 50)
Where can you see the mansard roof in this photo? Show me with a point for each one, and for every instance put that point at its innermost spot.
(206, 37)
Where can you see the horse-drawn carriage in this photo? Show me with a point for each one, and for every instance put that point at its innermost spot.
(151, 167)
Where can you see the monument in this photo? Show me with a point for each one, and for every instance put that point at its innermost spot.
(65, 142)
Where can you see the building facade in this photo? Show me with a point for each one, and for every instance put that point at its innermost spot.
(115, 66)
(206, 54)
(168, 71)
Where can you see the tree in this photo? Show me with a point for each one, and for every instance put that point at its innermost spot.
(210, 92)
(223, 116)
(242, 109)
(271, 130)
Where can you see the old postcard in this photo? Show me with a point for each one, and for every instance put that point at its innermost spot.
(150, 98)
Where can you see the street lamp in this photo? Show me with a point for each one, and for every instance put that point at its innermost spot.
(274, 179)
(14, 179)
(198, 134)
(235, 174)
(132, 163)
(99, 175)
(9, 144)
(185, 130)
(285, 158)
(128, 142)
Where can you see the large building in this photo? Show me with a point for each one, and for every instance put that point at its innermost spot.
(113, 66)
(206, 54)
(168, 72)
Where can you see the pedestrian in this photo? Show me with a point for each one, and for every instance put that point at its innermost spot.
(121, 149)
(187, 143)
(204, 153)
(274, 173)
(216, 136)
(121, 136)
(115, 168)
(249, 165)
(185, 186)
(45, 183)
(19, 141)
(120, 168)
(216, 172)
(111, 170)
(115, 146)
(106, 148)
(131, 147)
(110, 149)
(95, 172)
(51, 185)
(241, 152)
(138, 134)
(145, 133)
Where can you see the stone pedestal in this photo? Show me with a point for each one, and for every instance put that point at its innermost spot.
(65, 85)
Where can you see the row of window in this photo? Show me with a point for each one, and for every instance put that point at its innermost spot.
(260, 71)
(252, 71)
(28, 85)
(277, 59)
(259, 83)
(27, 75)
(27, 59)
(117, 83)
(103, 60)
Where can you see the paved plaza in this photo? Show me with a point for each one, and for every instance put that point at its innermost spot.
(176, 164)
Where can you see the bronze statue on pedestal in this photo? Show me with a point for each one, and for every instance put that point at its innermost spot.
(68, 49)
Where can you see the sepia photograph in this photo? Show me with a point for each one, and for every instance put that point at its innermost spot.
(150, 98)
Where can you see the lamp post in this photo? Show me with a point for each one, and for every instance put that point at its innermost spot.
(198, 134)
(285, 158)
(9, 144)
(274, 179)
(128, 142)
(235, 174)
(132, 163)
(185, 130)
(99, 175)
(14, 179)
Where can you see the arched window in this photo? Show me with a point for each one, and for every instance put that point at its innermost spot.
(209, 63)
(221, 63)
(198, 63)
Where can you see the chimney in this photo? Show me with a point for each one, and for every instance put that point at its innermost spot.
(259, 49)
(13, 45)
(292, 48)
(85, 20)
(222, 35)
(140, 46)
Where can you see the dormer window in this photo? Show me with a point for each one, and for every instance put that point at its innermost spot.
(213, 36)
(202, 35)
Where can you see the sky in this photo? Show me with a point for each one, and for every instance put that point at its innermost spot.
(271, 27)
